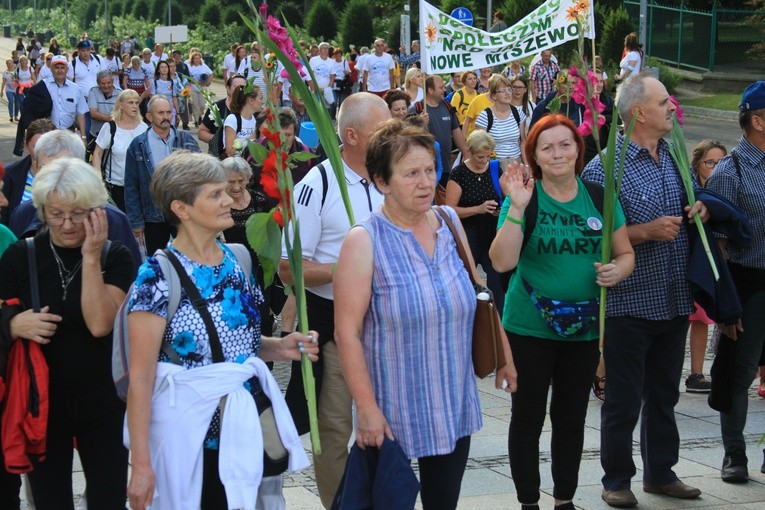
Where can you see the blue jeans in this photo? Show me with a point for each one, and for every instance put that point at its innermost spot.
(644, 360)
(14, 107)
(748, 348)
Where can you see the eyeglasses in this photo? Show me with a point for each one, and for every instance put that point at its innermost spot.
(711, 163)
(56, 220)
(505, 90)
(518, 87)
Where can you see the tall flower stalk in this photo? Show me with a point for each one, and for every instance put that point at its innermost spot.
(679, 153)
(263, 229)
(581, 88)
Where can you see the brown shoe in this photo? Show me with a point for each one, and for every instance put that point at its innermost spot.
(676, 489)
(619, 499)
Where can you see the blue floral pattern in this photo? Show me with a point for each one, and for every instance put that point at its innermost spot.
(232, 302)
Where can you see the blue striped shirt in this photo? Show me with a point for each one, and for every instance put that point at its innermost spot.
(417, 338)
(657, 288)
(747, 191)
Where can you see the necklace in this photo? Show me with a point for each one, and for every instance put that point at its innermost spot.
(66, 275)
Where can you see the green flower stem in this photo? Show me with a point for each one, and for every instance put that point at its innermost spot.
(679, 153)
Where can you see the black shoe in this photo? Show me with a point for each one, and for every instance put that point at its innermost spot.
(762, 468)
(734, 469)
(697, 383)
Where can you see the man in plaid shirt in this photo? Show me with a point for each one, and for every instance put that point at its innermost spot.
(647, 313)
(543, 75)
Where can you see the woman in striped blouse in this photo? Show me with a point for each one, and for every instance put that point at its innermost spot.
(404, 313)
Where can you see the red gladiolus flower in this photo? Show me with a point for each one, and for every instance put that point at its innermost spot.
(274, 138)
(278, 217)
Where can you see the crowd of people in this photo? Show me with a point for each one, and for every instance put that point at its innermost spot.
(130, 199)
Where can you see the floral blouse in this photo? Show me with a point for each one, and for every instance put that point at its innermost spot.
(233, 305)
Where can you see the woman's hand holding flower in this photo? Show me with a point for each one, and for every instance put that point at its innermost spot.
(295, 344)
(607, 274)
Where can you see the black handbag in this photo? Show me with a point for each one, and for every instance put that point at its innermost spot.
(275, 455)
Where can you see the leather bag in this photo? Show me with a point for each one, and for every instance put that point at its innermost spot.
(488, 351)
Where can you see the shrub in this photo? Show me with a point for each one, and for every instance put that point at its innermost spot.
(91, 12)
(357, 24)
(176, 14)
(140, 9)
(667, 75)
(231, 16)
(618, 25)
(516, 10)
(321, 21)
(210, 13)
(291, 12)
(158, 11)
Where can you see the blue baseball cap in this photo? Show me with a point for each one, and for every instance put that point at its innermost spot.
(754, 97)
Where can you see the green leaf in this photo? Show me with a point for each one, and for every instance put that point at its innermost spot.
(258, 151)
(554, 105)
(302, 156)
(265, 238)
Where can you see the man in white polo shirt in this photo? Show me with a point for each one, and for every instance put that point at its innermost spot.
(323, 224)
(83, 71)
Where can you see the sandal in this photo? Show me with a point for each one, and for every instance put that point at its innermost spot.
(599, 387)
(761, 389)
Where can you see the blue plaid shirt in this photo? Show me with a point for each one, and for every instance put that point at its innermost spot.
(657, 289)
(747, 191)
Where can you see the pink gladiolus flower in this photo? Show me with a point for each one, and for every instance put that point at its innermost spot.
(263, 10)
(279, 35)
(678, 110)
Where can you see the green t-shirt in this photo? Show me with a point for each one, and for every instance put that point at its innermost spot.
(557, 261)
(6, 238)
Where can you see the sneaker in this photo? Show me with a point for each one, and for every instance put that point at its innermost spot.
(11, 119)
(697, 383)
(734, 469)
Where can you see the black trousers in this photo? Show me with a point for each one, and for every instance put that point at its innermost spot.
(10, 485)
(570, 365)
(118, 195)
(644, 360)
(94, 419)
(441, 477)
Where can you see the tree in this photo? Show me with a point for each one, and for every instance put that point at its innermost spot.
(618, 25)
(394, 36)
(91, 13)
(516, 10)
(176, 14)
(321, 22)
(158, 11)
(210, 13)
(449, 5)
(357, 24)
(231, 16)
(140, 8)
(291, 12)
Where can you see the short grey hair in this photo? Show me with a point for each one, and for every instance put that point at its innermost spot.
(60, 143)
(103, 73)
(629, 94)
(74, 181)
(180, 176)
(238, 165)
(154, 99)
(354, 112)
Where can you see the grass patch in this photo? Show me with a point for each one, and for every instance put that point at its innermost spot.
(718, 102)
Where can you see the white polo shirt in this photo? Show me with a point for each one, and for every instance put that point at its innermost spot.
(323, 229)
(84, 75)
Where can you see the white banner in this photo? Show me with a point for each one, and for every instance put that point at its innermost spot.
(448, 45)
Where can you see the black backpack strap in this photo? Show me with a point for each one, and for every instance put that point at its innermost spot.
(530, 217)
(34, 287)
(199, 304)
(238, 123)
(597, 194)
(516, 115)
(489, 118)
(324, 183)
(108, 152)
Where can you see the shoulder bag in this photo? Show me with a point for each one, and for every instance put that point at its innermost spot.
(488, 351)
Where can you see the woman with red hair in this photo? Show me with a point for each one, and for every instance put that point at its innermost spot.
(550, 232)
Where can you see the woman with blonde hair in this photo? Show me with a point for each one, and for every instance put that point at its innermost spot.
(116, 139)
(203, 75)
(413, 82)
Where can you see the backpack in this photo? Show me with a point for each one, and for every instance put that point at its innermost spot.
(120, 340)
(106, 158)
(74, 66)
(418, 107)
(490, 117)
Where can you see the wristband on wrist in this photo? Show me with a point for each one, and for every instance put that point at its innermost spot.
(511, 219)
